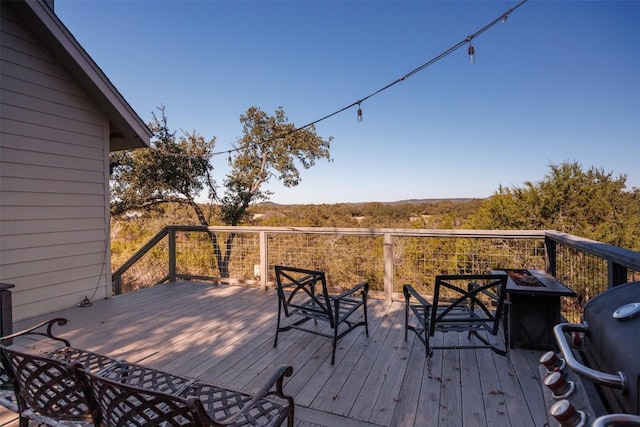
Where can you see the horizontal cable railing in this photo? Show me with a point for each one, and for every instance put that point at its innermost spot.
(386, 258)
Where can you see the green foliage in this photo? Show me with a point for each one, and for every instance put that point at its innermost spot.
(177, 169)
(174, 169)
(269, 148)
(415, 214)
(591, 204)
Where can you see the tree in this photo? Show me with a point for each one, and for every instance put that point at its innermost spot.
(592, 204)
(172, 170)
(269, 148)
(176, 169)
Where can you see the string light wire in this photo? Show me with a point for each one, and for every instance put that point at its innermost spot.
(467, 40)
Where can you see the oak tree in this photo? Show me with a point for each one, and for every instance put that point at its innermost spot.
(177, 169)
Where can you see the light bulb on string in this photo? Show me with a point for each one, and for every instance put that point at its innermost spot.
(472, 53)
(229, 161)
(504, 18)
(359, 113)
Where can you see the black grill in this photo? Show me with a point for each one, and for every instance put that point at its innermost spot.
(596, 375)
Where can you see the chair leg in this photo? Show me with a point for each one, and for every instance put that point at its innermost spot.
(335, 344)
(291, 417)
(366, 319)
(406, 321)
(428, 349)
(275, 342)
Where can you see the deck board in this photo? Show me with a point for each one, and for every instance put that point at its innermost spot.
(451, 390)
(225, 334)
(407, 402)
(470, 378)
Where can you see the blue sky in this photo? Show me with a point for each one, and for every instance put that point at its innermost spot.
(559, 81)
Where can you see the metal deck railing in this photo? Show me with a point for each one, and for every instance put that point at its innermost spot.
(386, 258)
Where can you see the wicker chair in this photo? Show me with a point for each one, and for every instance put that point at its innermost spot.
(303, 296)
(56, 348)
(53, 388)
(46, 391)
(118, 404)
(130, 395)
(473, 304)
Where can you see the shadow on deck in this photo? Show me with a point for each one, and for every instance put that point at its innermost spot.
(225, 334)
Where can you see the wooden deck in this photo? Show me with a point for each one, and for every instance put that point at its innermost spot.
(225, 334)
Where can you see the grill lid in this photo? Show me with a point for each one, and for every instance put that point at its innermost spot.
(612, 344)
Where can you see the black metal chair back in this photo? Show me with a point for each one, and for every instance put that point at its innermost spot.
(471, 303)
(46, 389)
(117, 404)
(304, 291)
(468, 303)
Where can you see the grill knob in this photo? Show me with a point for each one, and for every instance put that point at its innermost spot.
(551, 361)
(564, 412)
(559, 386)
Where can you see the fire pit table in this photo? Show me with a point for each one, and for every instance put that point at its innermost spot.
(534, 310)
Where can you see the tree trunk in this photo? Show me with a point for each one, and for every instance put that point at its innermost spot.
(221, 260)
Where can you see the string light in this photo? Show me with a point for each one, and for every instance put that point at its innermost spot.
(229, 161)
(471, 51)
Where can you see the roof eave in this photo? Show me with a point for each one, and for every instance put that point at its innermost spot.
(128, 131)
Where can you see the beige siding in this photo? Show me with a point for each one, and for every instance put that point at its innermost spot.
(53, 180)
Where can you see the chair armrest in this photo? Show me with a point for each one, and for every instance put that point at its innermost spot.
(276, 379)
(353, 290)
(409, 292)
(6, 340)
(267, 389)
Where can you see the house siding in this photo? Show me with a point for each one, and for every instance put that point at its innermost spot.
(54, 177)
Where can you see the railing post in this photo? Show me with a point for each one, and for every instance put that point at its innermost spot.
(550, 256)
(616, 274)
(117, 285)
(172, 254)
(264, 258)
(388, 267)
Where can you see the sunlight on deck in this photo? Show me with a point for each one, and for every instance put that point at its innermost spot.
(225, 334)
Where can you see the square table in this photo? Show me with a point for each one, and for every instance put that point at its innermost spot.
(534, 307)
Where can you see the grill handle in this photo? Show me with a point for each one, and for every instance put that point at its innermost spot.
(615, 381)
(617, 420)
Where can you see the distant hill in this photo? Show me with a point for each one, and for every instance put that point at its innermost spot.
(398, 202)
(419, 201)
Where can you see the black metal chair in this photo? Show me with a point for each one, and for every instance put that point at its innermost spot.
(46, 390)
(135, 396)
(115, 403)
(472, 303)
(55, 347)
(303, 296)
